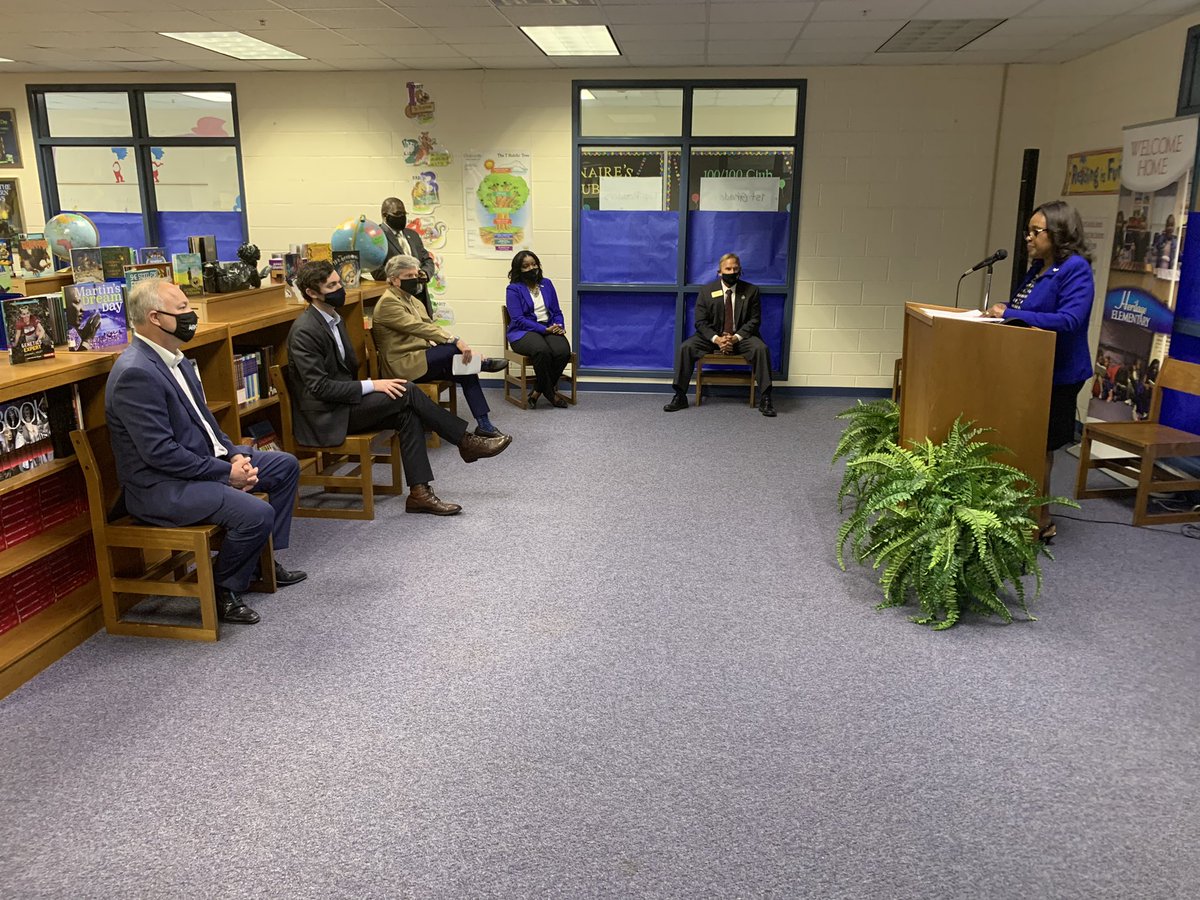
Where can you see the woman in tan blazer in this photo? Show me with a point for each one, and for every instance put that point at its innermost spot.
(411, 346)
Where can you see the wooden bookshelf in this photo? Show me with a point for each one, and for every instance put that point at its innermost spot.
(37, 474)
(47, 637)
(31, 550)
(242, 305)
(46, 284)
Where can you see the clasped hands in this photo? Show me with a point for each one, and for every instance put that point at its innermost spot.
(242, 475)
(555, 329)
(725, 343)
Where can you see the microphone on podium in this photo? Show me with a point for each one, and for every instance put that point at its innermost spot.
(990, 261)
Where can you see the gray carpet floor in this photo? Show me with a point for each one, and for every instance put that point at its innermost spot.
(630, 668)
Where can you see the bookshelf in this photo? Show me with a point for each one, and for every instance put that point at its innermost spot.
(46, 284)
(53, 632)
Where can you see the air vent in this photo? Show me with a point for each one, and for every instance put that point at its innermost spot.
(937, 35)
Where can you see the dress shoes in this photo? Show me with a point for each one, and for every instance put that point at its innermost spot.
(232, 608)
(473, 447)
(492, 364)
(531, 403)
(422, 499)
(558, 402)
(494, 433)
(766, 407)
(678, 402)
(284, 577)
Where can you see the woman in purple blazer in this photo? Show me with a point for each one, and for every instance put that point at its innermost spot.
(535, 326)
(1057, 295)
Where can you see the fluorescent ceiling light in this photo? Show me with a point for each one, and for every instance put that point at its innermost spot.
(232, 43)
(585, 94)
(2, 59)
(572, 40)
(211, 96)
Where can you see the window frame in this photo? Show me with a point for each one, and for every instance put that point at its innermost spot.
(140, 141)
(686, 143)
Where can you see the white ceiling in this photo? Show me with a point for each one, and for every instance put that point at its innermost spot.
(121, 35)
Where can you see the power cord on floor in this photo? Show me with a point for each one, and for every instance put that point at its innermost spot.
(1188, 531)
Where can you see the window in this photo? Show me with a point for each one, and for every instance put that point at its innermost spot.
(150, 165)
(670, 176)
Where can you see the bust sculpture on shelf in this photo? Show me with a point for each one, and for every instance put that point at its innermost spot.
(250, 255)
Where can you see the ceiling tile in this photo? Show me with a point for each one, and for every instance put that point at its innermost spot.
(1079, 8)
(1058, 25)
(1168, 7)
(970, 57)
(673, 48)
(502, 62)
(658, 13)
(999, 40)
(380, 17)
(307, 42)
(836, 45)
(491, 51)
(438, 14)
(826, 59)
(881, 29)
(164, 21)
(423, 52)
(408, 39)
(753, 11)
(754, 31)
(908, 59)
(241, 19)
(970, 9)
(682, 32)
(326, 5)
(747, 49)
(863, 11)
(470, 34)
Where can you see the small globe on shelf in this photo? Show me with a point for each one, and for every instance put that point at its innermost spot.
(70, 230)
(366, 237)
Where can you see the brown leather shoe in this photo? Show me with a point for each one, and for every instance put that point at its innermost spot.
(422, 499)
(473, 447)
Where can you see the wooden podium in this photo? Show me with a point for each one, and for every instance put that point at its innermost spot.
(995, 374)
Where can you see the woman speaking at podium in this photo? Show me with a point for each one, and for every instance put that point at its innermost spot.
(1057, 295)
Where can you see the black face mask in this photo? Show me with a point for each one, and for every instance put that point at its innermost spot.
(336, 299)
(410, 285)
(730, 278)
(185, 325)
(396, 223)
(532, 276)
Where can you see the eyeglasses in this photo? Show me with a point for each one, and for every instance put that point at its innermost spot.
(1034, 232)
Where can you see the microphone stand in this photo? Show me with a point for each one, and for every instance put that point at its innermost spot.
(987, 288)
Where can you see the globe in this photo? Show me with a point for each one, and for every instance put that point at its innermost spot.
(366, 237)
(70, 230)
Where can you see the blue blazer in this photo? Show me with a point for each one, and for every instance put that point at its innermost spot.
(1061, 302)
(164, 458)
(520, 310)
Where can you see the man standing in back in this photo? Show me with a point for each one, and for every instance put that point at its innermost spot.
(404, 241)
(728, 315)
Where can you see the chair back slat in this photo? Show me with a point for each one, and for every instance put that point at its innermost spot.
(372, 355)
(94, 451)
(279, 378)
(507, 319)
(1175, 375)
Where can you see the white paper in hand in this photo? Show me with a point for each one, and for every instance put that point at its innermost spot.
(458, 367)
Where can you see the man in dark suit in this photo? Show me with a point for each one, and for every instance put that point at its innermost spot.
(404, 241)
(176, 464)
(329, 401)
(728, 315)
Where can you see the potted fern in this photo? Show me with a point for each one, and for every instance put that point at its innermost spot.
(870, 427)
(946, 523)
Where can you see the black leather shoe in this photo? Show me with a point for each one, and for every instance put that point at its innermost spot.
(284, 577)
(422, 499)
(766, 407)
(492, 364)
(531, 403)
(678, 402)
(559, 402)
(473, 447)
(232, 608)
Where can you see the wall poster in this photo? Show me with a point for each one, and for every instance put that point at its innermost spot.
(497, 202)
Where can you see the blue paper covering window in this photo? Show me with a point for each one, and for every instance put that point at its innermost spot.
(626, 330)
(628, 246)
(758, 238)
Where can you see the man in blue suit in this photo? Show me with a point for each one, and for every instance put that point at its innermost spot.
(176, 465)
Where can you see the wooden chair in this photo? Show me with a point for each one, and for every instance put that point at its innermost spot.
(1145, 443)
(522, 379)
(356, 449)
(135, 560)
(432, 389)
(723, 375)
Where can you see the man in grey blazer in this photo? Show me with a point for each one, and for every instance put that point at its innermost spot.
(329, 400)
(176, 464)
(404, 241)
(728, 316)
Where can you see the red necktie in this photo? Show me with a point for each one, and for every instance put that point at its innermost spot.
(728, 312)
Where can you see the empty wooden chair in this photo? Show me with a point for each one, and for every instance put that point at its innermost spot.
(135, 560)
(519, 374)
(1144, 444)
(356, 449)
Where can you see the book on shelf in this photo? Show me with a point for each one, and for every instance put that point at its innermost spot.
(189, 273)
(25, 435)
(86, 265)
(318, 251)
(346, 264)
(28, 327)
(205, 245)
(261, 435)
(152, 255)
(275, 267)
(113, 261)
(95, 316)
(146, 272)
(6, 260)
(32, 258)
(257, 361)
(64, 409)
